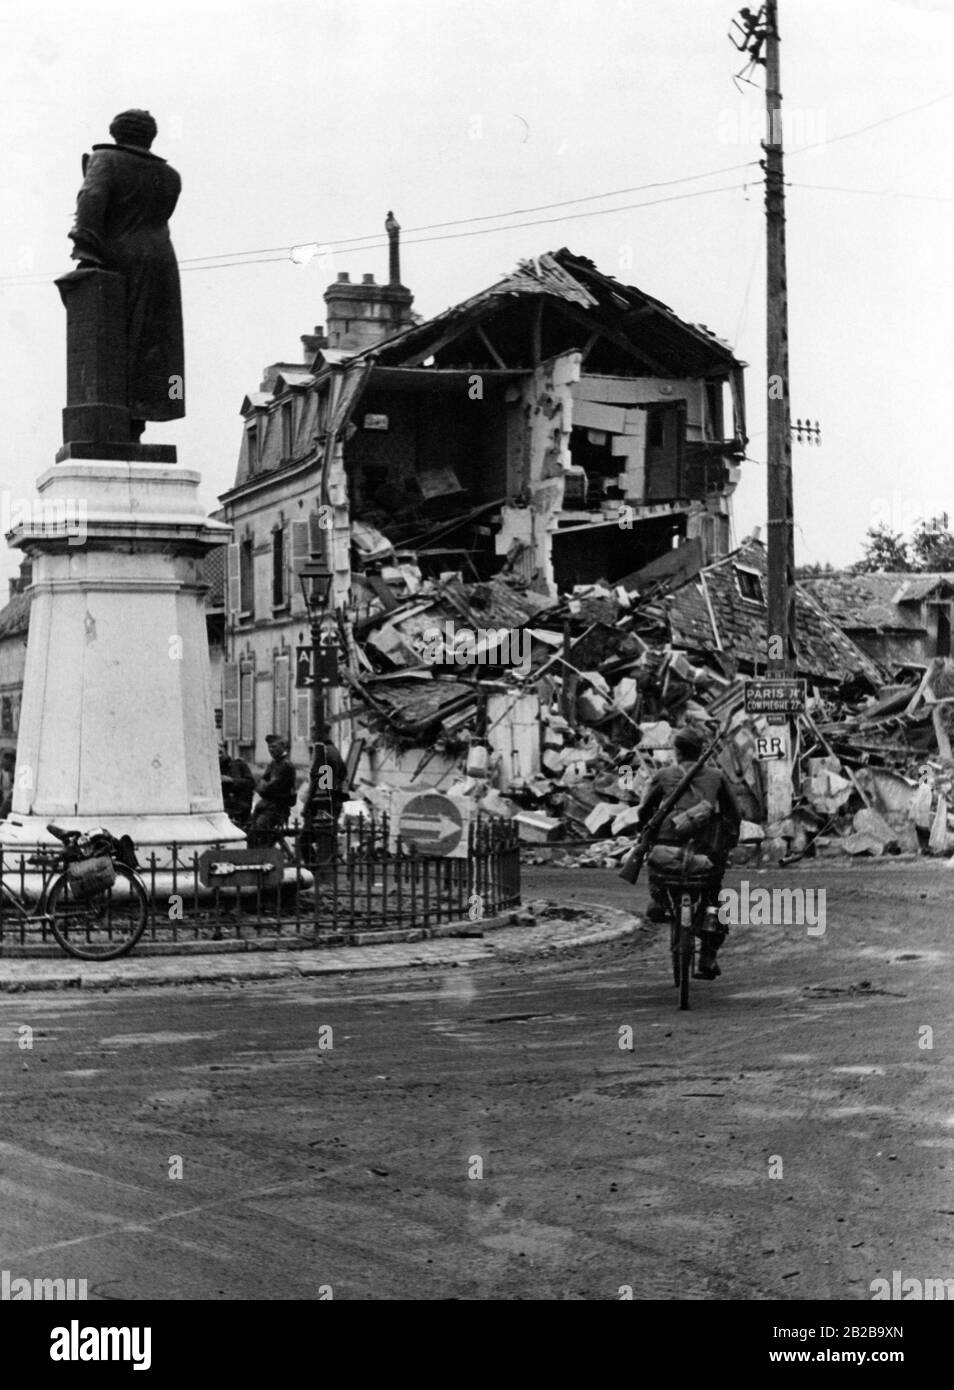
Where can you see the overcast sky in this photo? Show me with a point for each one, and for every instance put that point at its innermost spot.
(295, 123)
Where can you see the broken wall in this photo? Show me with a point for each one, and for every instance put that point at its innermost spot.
(540, 456)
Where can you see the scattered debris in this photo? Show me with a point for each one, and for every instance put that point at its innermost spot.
(562, 708)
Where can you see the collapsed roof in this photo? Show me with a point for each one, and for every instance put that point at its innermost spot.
(485, 331)
(722, 608)
(890, 601)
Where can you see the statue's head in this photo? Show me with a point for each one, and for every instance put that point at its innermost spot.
(133, 128)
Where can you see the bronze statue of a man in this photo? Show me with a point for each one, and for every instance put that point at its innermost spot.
(122, 225)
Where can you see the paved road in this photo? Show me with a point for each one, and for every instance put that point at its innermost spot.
(479, 1132)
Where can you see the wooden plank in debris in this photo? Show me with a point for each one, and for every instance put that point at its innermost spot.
(381, 590)
(941, 718)
(918, 697)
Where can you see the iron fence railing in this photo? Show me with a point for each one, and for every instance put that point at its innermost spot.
(336, 885)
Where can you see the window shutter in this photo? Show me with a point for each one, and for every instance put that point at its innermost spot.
(230, 700)
(281, 677)
(234, 578)
(318, 536)
(247, 720)
(299, 554)
(303, 715)
(279, 567)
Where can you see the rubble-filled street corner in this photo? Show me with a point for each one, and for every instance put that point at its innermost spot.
(476, 674)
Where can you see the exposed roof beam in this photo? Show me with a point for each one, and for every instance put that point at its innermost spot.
(588, 347)
(465, 324)
(490, 347)
(612, 336)
(536, 333)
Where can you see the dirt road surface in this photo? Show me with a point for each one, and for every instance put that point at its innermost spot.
(529, 1129)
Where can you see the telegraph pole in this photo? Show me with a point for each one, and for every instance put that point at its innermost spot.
(758, 37)
(781, 531)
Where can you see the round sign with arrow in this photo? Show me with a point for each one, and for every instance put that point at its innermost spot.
(431, 822)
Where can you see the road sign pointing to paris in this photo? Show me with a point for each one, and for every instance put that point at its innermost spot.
(432, 822)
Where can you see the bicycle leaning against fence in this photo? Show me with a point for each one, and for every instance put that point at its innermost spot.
(91, 896)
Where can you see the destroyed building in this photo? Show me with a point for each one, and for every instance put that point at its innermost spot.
(897, 618)
(557, 429)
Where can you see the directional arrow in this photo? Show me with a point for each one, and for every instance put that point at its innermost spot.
(432, 827)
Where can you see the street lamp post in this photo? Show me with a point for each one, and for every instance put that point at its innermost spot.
(316, 581)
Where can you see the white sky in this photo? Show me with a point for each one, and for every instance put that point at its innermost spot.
(300, 122)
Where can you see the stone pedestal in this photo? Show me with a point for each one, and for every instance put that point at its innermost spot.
(117, 725)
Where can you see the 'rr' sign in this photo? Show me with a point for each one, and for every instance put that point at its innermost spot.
(769, 747)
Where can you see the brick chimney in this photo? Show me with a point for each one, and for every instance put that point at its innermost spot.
(312, 343)
(361, 315)
(393, 229)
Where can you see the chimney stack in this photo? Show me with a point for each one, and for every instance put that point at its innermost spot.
(361, 315)
(393, 229)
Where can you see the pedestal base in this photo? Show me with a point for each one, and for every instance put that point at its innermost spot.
(125, 452)
(116, 726)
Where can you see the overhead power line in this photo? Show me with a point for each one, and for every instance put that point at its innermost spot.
(371, 241)
(872, 125)
(185, 266)
(874, 192)
(493, 216)
(513, 226)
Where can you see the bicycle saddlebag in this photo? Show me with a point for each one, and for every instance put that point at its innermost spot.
(675, 859)
(89, 877)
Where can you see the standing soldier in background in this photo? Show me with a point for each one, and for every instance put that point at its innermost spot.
(238, 787)
(324, 799)
(277, 789)
(7, 765)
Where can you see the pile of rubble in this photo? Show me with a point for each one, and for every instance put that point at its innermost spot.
(886, 783)
(564, 731)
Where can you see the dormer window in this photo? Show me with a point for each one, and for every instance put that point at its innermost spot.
(288, 429)
(254, 446)
(750, 585)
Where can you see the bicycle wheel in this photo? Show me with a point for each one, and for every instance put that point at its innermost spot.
(686, 952)
(685, 968)
(674, 951)
(102, 927)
